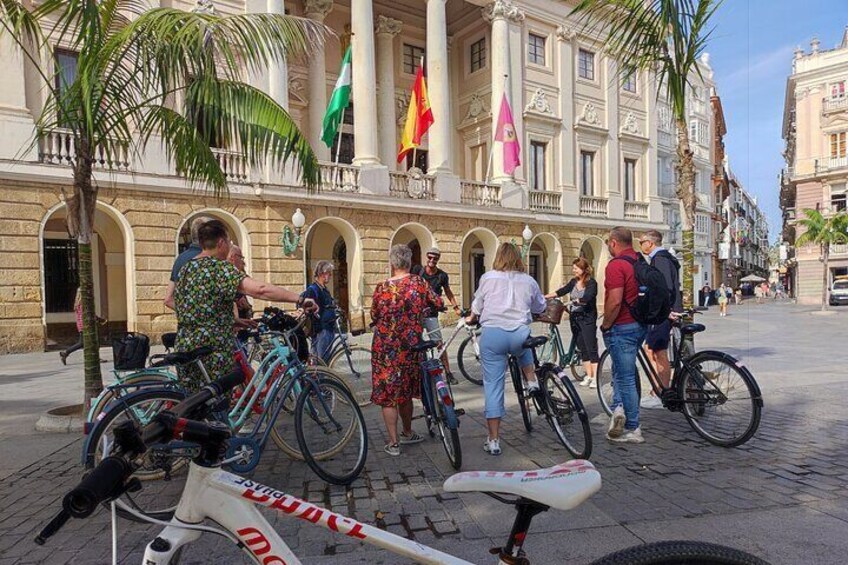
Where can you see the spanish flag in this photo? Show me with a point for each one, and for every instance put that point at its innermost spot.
(419, 118)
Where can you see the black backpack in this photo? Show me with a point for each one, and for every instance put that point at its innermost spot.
(130, 351)
(653, 304)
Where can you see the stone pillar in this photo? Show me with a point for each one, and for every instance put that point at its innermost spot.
(652, 178)
(317, 10)
(516, 86)
(438, 84)
(364, 84)
(16, 123)
(567, 155)
(387, 29)
(614, 163)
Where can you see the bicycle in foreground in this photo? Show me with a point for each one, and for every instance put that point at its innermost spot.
(231, 501)
(556, 399)
(715, 391)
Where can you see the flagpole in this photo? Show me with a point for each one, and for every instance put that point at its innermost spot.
(339, 150)
(494, 134)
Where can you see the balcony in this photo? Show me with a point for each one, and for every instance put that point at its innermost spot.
(339, 178)
(480, 194)
(828, 164)
(635, 210)
(545, 201)
(593, 206)
(234, 166)
(702, 241)
(57, 147)
(401, 185)
(834, 105)
(839, 249)
(665, 139)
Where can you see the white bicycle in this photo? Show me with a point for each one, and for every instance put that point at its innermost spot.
(468, 355)
(230, 501)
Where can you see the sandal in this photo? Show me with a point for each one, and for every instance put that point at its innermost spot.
(392, 449)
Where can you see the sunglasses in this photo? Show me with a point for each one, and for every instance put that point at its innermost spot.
(433, 257)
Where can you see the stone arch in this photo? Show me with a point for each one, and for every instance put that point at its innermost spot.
(547, 246)
(114, 268)
(477, 255)
(234, 225)
(324, 240)
(595, 251)
(417, 236)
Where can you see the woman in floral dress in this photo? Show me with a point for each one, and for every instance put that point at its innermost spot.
(204, 297)
(398, 308)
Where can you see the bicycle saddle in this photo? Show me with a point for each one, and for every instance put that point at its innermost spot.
(534, 342)
(183, 358)
(169, 340)
(424, 346)
(692, 328)
(564, 486)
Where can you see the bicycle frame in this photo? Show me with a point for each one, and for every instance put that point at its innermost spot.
(231, 500)
(461, 325)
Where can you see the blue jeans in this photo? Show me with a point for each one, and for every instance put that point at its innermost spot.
(496, 345)
(321, 344)
(623, 342)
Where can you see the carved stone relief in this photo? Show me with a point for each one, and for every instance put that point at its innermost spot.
(539, 103)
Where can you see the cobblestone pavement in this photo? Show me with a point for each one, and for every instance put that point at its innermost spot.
(781, 496)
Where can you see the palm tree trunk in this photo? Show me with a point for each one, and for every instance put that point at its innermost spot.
(825, 261)
(85, 196)
(686, 193)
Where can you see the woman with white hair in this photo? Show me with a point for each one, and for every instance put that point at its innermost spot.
(397, 310)
(324, 328)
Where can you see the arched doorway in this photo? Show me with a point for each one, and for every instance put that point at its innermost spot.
(545, 263)
(477, 256)
(237, 231)
(417, 237)
(334, 239)
(595, 251)
(113, 268)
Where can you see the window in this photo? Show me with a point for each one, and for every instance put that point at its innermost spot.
(702, 223)
(478, 55)
(837, 90)
(345, 152)
(837, 145)
(630, 83)
(61, 277)
(479, 162)
(412, 56)
(629, 180)
(420, 159)
(587, 172)
(838, 198)
(536, 49)
(537, 165)
(66, 74)
(586, 64)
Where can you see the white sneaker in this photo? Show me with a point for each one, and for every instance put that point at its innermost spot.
(531, 386)
(650, 401)
(629, 436)
(593, 382)
(588, 381)
(616, 425)
(492, 447)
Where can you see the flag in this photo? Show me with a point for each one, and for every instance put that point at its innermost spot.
(506, 135)
(419, 117)
(339, 100)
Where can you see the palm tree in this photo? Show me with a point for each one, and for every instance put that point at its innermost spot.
(665, 38)
(133, 62)
(823, 231)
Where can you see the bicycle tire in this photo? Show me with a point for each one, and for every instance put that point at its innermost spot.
(331, 468)
(524, 401)
(361, 359)
(603, 379)
(448, 424)
(679, 553)
(708, 378)
(578, 371)
(140, 378)
(468, 362)
(565, 412)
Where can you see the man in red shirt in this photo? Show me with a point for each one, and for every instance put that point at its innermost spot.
(622, 335)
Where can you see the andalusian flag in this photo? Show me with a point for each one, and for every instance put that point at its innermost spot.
(338, 102)
(419, 118)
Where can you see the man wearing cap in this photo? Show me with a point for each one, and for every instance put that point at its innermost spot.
(439, 281)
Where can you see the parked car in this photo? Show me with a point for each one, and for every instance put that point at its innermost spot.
(839, 291)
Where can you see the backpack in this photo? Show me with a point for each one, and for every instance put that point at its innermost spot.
(653, 304)
(130, 351)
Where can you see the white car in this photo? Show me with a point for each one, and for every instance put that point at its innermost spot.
(839, 292)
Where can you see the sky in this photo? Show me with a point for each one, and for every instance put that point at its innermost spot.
(751, 55)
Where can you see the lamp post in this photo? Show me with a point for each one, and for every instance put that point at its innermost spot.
(291, 238)
(527, 234)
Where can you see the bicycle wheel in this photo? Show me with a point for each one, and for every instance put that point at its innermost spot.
(525, 402)
(603, 379)
(578, 371)
(448, 425)
(468, 360)
(679, 553)
(566, 414)
(721, 400)
(356, 372)
(127, 385)
(157, 499)
(331, 431)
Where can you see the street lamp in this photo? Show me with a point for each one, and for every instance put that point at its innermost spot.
(527, 234)
(291, 239)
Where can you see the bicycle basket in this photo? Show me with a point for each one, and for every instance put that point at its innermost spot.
(553, 312)
(130, 351)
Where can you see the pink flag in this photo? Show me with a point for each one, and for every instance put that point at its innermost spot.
(506, 135)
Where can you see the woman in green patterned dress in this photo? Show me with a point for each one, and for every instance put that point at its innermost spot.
(205, 292)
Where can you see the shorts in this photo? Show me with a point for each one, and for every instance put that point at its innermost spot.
(434, 330)
(658, 336)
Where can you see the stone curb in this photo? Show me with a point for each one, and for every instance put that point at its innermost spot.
(65, 419)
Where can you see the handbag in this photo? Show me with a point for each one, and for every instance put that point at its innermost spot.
(130, 351)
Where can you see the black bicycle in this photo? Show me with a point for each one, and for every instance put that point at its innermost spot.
(556, 399)
(440, 411)
(715, 391)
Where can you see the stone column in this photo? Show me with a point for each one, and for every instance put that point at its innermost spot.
(317, 10)
(364, 84)
(496, 13)
(387, 29)
(614, 162)
(16, 123)
(438, 84)
(516, 86)
(567, 154)
(652, 179)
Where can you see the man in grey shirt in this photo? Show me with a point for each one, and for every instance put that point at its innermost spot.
(190, 253)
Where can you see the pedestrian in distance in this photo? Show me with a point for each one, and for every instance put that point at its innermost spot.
(622, 336)
(707, 292)
(658, 336)
(398, 308)
(192, 251)
(582, 291)
(243, 307)
(63, 355)
(439, 281)
(737, 296)
(324, 327)
(723, 295)
(504, 304)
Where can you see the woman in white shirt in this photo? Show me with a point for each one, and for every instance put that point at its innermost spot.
(504, 303)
